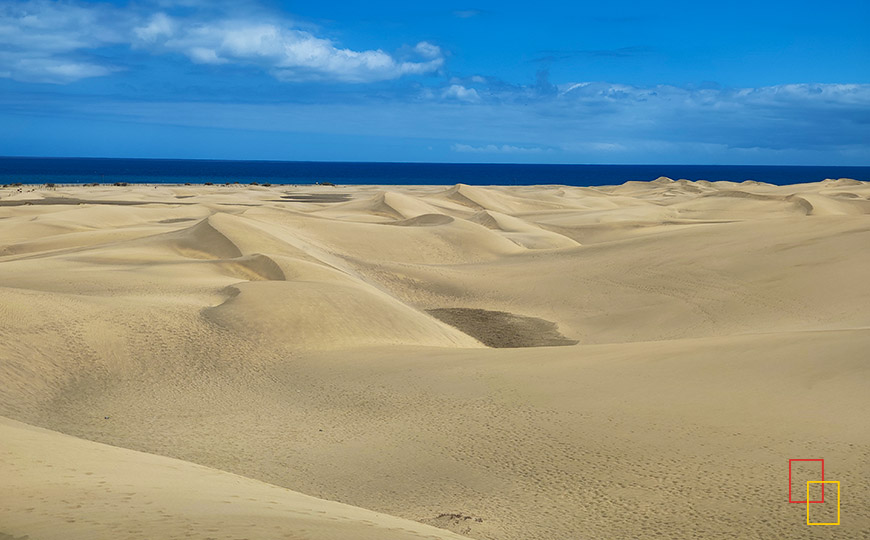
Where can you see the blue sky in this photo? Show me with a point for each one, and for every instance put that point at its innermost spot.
(760, 82)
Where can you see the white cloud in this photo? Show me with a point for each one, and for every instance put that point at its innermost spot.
(428, 50)
(800, 124)
(158, 27)
(496, 149)
(204, 55)
(592, 118)
(44, 27)
(457, 91)
(288, 53)
(593, 146)
(48, 69)
(58, 42)
(59, 70)
(43, 41)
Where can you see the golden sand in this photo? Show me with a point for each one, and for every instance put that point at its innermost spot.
(511, 363)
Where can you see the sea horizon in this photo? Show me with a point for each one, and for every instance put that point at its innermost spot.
(80, 170)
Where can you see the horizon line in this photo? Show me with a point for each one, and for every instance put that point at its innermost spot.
(351, 162)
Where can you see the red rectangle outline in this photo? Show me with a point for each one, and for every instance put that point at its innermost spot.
(789, 482)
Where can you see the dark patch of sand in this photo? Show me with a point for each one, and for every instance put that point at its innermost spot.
(458, 523)
(425, 220)
(66, 200)
(500, 329)
(176, 220)
(314, 197)
(73, 201)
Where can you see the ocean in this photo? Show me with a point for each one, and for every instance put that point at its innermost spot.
(27, 170)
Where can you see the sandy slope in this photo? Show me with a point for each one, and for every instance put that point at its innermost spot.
(56, 486)
(283, 334)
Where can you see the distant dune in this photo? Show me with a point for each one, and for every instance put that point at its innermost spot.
(496, 363)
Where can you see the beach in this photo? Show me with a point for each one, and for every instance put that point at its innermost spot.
(497, 363)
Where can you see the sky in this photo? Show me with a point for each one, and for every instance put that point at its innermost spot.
(762, 82)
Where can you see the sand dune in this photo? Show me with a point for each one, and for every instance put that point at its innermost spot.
(522, 232)
(511, 363)
(56, 486)
(317, 315)
(496, 199)
(389, 205)
(424, 220)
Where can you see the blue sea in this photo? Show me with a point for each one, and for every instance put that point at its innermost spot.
(28, 170)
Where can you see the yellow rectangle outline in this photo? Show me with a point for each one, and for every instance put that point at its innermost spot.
(808, 500)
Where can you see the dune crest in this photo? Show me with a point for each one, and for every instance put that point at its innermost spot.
(327, 315)
(522, 232)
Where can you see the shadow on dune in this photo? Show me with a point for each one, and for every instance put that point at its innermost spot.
(500, 329)
(75, 201)
(314, 197)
